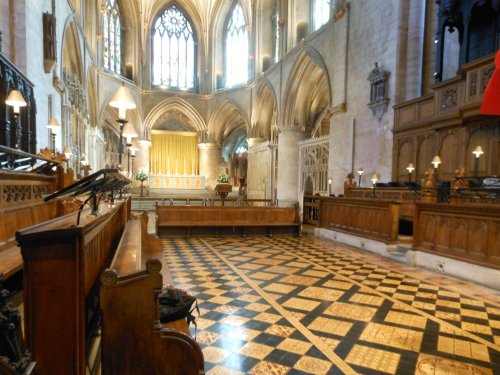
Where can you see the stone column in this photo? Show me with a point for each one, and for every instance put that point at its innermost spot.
(141, 159)
(288, 165)
(210, 163)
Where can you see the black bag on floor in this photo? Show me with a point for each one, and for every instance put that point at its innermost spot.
(177, 304)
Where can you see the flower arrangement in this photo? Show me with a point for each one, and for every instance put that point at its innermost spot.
(223, 178)
(141, 176)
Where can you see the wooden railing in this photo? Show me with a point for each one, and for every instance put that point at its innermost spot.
(374, 219)
(470, 233)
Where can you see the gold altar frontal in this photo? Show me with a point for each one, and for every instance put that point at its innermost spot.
(192, 182)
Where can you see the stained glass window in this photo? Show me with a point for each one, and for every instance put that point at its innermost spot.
(173, 50)
(236, 52)
(112, 36)
(321, 13)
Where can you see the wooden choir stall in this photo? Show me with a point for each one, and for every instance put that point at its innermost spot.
(69, 291)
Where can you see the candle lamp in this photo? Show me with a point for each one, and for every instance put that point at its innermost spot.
(478, 151)
(435, 162)
(16, 100)
(329, 186)
(54, 127)
(122, 100)
(360, 172)
(410, 168)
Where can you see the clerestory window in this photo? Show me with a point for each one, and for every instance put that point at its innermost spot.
(236, 48)
(112, 36)
(321, 13)
(174, 50)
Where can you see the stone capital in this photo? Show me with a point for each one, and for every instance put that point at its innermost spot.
(202, 146)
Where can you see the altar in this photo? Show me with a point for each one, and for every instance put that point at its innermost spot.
(188, 182)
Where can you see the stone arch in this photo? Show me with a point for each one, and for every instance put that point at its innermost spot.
(161, 111)
(264, 111)
(226, 118)
(308, 90)
(71, 54)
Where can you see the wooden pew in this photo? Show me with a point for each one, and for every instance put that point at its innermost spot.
(133, 341)
(374, 219)
(194, 220)
(62, 264)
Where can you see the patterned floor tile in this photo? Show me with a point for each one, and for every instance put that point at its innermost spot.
(304, 306)
(375, 359)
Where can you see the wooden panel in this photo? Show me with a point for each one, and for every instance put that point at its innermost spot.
(214, 217)
(426, 109)
(374, 219)
(468, 232)
(62, 262)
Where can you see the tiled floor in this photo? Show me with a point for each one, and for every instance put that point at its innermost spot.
(309, 306)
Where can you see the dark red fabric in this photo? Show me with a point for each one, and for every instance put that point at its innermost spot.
(491, 98)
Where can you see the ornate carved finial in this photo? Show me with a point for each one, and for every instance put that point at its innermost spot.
(153, 265)
(108, 277)
(13, 353)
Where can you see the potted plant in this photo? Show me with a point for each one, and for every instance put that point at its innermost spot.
(141, 176)
(223, 188)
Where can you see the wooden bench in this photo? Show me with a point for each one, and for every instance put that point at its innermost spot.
(244, 220)
(132, 339)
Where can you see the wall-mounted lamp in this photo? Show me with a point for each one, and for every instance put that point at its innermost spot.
(436, 160)
(330, 186)
(129, 133)
(122, 99)
(16, 100)
(410, 168)
(360, 172)
(54, 127)
(478, 151)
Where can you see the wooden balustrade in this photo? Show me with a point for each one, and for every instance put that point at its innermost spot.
(468, 232)
(374, 219)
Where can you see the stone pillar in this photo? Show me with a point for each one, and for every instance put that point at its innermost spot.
(141, 159)
(415, 49)
(210, 163)
(288, 165)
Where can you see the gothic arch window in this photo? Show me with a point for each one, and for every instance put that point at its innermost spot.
(174, 55)
(321, 13)
(112, 36)
(236, 47)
